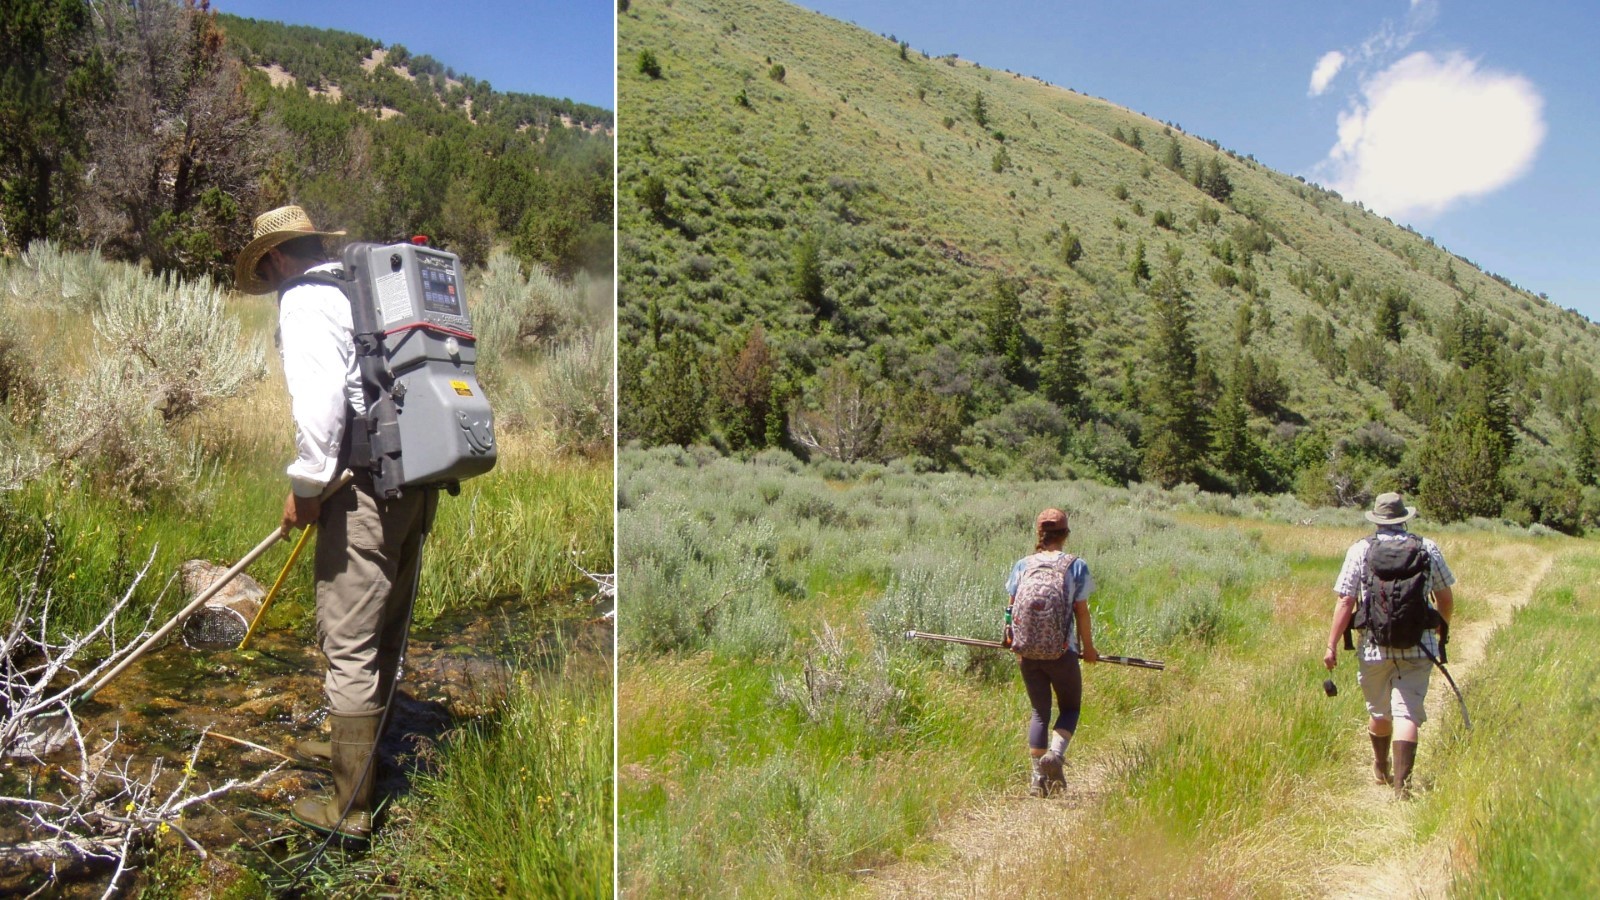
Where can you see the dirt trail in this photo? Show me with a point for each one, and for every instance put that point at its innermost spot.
(1423, 871)
(966, 856)
(971, 850)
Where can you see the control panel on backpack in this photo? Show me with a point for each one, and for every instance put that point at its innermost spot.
(445, 426)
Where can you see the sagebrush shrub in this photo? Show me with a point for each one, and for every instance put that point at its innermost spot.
(181, 348)
(579, 395)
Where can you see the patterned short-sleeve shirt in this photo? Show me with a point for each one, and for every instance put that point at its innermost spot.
(1353, 577)
(1078, 585)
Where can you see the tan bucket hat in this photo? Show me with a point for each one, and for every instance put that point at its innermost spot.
(1390, 509)
(272, 228)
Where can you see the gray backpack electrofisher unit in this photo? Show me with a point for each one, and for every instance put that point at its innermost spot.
(428, 422)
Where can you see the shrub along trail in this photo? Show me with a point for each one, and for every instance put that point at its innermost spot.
(1368, 846)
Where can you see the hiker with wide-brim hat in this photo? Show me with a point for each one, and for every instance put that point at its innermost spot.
(284, 239)
(1048, 628)
(1383, 590)
(369, 549)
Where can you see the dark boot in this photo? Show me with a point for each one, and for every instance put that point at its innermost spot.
(1405, 756)
(349, 812)
(1380, 758)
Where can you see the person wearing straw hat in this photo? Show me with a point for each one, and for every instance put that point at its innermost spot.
(1051, 587)
(368, 549)
(1394, 671)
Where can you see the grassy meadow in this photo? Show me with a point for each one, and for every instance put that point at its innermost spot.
(779, 737)
(112, 463)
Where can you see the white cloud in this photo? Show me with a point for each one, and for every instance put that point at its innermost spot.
(1429, 131)
(1327, 67)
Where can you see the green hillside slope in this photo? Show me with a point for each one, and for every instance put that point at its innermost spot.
(898, 227)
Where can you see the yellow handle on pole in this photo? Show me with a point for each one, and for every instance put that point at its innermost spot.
(267, 601)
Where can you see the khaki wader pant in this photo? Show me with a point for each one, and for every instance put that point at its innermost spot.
(369, 552)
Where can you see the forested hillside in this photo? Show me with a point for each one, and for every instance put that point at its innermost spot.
(157, 130)
(835, 243)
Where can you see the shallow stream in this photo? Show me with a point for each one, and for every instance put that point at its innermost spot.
(271, 694)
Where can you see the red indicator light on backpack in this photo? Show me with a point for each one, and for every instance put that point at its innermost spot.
(421, 240)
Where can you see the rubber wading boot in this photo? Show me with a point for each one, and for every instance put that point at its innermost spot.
(315, 753)
(1405, 757)
(1038, 786)
(1380, 758)
(352, 745)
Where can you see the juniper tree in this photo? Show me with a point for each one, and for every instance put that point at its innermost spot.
(1585, 453)
(1459, 469)
(1174, 157)
(1391, 304)
(1210, 177)
(652, 192)
(670, 394)
(806, 277)
(1062, 376)
(51, 72)
(648, 64)
(1003, 328)
(980, 111)
(1232, 447)
(1138, 267)
(178, 148)
(922, 422)
(1071, 247)
(1174, 424)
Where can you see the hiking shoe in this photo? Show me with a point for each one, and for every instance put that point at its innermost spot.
(1051, 766)
(1038, 785)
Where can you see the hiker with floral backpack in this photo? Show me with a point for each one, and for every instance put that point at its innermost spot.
(1047, 627)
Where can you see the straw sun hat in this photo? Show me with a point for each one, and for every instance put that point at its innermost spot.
(272, 228)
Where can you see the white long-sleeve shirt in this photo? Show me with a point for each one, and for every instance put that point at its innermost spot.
(319, 365)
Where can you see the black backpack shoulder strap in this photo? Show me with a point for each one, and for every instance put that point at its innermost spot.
(314, 278)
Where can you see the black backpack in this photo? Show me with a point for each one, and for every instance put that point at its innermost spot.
(1394, 610)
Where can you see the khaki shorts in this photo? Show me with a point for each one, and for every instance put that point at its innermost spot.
(1396, 688)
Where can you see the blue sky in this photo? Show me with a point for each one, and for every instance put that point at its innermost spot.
(558, 49)
(1477, 122)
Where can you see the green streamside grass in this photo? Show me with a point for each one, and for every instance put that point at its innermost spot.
(519, 808)
(1517, 794)
(523, 529)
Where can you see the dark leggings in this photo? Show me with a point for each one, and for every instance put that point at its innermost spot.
(1039, 676)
